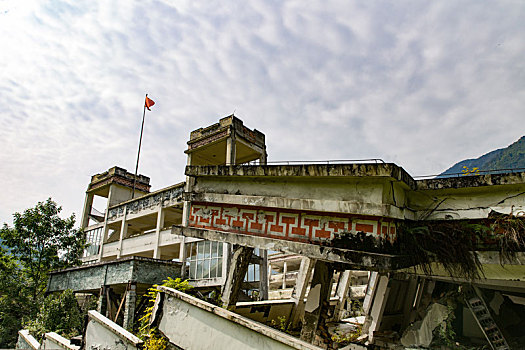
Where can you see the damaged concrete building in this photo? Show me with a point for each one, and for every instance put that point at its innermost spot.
(305, 245)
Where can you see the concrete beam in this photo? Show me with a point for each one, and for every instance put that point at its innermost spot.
(353, 260)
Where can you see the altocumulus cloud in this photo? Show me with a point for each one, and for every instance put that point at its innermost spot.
(423, 84)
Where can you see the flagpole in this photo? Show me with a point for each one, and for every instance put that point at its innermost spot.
(138, 153)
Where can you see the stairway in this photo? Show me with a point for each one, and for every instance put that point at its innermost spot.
(479, 309)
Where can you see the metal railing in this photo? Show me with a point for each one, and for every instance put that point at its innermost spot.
(328, 161)
(479, 172)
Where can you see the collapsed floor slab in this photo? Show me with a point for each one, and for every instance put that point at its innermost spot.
(191, 323)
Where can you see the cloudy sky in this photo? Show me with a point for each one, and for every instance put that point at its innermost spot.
(423, 84)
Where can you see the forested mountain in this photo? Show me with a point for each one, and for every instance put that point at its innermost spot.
(512, 157)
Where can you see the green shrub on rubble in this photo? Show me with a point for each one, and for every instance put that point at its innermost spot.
(58, 313)
(153, 339)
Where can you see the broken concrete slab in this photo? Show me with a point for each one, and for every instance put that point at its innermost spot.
(102, 333)
(191, 323)
(26, 341)
(54, 341)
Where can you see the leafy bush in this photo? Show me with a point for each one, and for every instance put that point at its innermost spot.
(59, 313)
(151, 336)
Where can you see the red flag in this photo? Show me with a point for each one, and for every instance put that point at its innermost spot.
(149, 102)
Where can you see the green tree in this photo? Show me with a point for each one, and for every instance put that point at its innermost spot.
(58, 313)
(39, 241)
(12, 299)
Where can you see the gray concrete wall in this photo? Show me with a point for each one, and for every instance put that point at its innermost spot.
(91, 277)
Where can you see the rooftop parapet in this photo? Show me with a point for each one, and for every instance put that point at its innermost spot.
(120, 176)
(226, 126)
(389, 170)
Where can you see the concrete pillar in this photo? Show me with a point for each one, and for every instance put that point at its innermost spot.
(301, 284)
(317, 298)
(370, 291)
(129, 307)
(410, 296)
(88, 204)
(375, 314)
(342, 293)
(102, 304)
(226, 260)
(263, 276)
(238, 267)
(263, 158)
(123, 232)
(104, 237)
(230, 150)
(160, 224)
(285, 271)
(182, 256)
(187, 188)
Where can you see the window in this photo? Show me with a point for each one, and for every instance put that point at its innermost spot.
(205, 259)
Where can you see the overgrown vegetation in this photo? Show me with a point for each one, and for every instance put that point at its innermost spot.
(58, 313)
(449, 243)
(153, 339)
(39, 241)
(281, 324)
(347, 338)
(452, 243)
(510, 233)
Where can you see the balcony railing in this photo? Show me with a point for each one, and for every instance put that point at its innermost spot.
(165, 197)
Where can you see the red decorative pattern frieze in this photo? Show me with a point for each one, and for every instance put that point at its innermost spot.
(286, 224)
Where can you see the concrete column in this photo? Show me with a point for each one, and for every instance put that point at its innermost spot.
(370, 291)
(230, 150)
(129, 307)
(104, 237)
(88, 203)
(301, 284)
(187, 204)
(318, 296)
(342, 293)
(263, 276)
(263, 158)
(285, 271)
(409, 298)
(238, 267)
(102, 304)
(226, 260)
(160, 224)
(182, 256)
(375, 315)
(123, 232)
